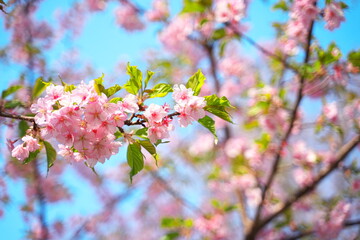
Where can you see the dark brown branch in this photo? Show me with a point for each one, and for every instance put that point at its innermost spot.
(340, 156)
(285, 138)
(349, 223)
(18, 117)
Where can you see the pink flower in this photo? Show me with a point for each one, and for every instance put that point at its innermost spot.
(330, 111)
(94, 114)
(330, 229)
(54, 93)
(213, 226)
(20, 152)
(127, 17)
(230, 10)
(181, 94)
(129, 104)
(194, 108)
(155, 113)
(96, 5)
(32, 144)
(333, 15)
(159, 11)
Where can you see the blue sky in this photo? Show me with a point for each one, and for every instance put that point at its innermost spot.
(104, 45)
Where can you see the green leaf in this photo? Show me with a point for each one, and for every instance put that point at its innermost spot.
(219, 34)
(23, 127)
(160, 141)
(13, 104)
(343, 5)
(118, 134)
(135, 159)
(39, 87)
(67, 87)
(10, 91)
(354, 58)
(142, 132)
(216, 106)
(170, 236)
(259, 107)
(150, 148)
(263, 141)
(196, 6)
(32, 157)
(160, 90)
(168, 222)
(149, 75)
(50, 154)
(112, 90)
(209, 123)
(282, 5)
(134, 84)
(214, 100)
(98, 84)
(196, 81)
(116, 99)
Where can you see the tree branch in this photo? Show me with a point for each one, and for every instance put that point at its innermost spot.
(18, 117)
(340, 156)
(173, 193)
(349, 223)
(289, 129)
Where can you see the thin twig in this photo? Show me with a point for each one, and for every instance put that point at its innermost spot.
(173, 193)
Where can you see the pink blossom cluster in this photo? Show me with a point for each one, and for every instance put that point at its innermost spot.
(23, 150)
(159, 11)
(175, 37)
(128, 18)
(330, 229)
(230, 10)
(333, 15)
(82, 121)
(330, 111)
(274, 117)
(158, 122)
(23, 24)
(96, 5)
(189, 106)
(213, 226)
(302, 13)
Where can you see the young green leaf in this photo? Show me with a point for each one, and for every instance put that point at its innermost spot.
(134, 84)
(13, 104)
(150, 148)
(39, 87)
(98, 84)
(354, 58)
(67, 87)
(209, 123)
(50, 154)
(196, 81)
(216, 106)
(160, 90)
(149, 75)
(32, 157)
(135, 159)
(112, 90)
(10, 91)
(116, 99)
